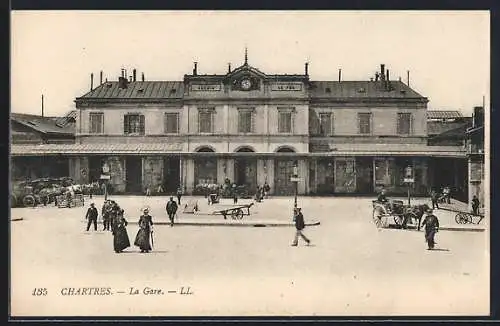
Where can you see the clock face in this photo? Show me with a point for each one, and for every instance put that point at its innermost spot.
(246, 84)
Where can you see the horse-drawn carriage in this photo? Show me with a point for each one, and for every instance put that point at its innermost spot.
(401, 214)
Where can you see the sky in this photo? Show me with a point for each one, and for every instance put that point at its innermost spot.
(54, 52)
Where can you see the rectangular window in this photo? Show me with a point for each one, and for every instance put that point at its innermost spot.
(285, 119)
(134, 124)
(245, 121)
(404, 123)
(96, 123)
(171, 123)
(325, 124)
(365, 123)
(205, 120)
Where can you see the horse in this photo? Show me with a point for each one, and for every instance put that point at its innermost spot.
(414, 214)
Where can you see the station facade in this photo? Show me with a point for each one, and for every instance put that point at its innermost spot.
(345, 137)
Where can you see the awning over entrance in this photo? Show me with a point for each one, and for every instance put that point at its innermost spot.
(96, 149)
(388, 150)
(162, 149)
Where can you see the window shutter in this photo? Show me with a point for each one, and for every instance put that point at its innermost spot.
(252, 121)
(332, 120)
(412, 131)
(198, 122)
(398, 124)
(359, 123)
(178, 122)
(142, 124)
(125, 124)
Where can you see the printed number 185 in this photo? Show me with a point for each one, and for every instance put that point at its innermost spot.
(39, 291)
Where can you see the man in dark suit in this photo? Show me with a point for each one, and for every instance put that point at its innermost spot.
(299, 225)
(92, 216)
(171, 210)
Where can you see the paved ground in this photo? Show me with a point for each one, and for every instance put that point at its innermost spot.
(352, 268)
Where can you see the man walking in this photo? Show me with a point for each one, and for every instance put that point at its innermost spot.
(171, 210)
(179, 195)
(434, 199)
(299, 225)
(431, 224)
(91, 217)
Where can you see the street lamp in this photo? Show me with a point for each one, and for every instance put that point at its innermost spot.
(296, 180)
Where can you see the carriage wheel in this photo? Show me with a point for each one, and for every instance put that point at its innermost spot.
(378, 213)
(239, 214)
(458, 218)
(467, 218)
(398, 219)
(29, 201)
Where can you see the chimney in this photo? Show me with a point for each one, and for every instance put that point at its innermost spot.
(340, 75)
(408, 78)
(400, 78)
(478, 117)
(387, 75)
(100, 78)
(377, 75)
(306, 68)
(91, 81)
(106, 79)
(134, 73)
(229, 67)
(195, 69)
(42, 105)
(382, 72)
(143, 79)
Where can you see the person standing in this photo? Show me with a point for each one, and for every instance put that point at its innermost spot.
(382, 198)
(91, 216)
(119, 231)
(171, 210)
(447, 194)
(142, 239)
(179, 195)
(475, 205)
(106, 215)
(434, 199)
(299, 226)
(431, 224)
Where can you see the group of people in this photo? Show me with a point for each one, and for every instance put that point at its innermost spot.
(114, 221)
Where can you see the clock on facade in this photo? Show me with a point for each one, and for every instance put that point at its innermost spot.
(246, 84)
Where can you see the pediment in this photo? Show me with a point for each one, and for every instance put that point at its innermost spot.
(246, 71)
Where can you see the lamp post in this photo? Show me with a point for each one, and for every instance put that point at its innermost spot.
(105, 177)
(296, 180)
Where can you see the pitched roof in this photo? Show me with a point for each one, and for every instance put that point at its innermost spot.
(46, 125)
(361, 89)
(444, 114)
(138, 90)
(435, 128)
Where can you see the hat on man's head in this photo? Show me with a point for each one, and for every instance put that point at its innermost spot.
(91, 204)
(428, 210)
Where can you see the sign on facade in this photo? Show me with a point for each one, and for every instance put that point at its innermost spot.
(205, 87)
(105, 168)
(105, 177)
(286, 86)
(294, 179)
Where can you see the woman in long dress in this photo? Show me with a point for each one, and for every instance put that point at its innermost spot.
(120, 235)
(142, 240)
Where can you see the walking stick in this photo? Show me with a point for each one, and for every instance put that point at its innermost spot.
(152, 240)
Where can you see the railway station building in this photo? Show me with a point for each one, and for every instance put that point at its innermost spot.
(253, 127)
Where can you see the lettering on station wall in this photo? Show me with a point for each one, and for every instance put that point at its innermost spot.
(205, 87)
(286, 86)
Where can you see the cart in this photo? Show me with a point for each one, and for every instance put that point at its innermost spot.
(236, 213)
(398, 211)
(468, 218)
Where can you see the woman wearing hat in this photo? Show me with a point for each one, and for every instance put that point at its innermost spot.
(120, 235)
(143, 236)
(431, 224)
